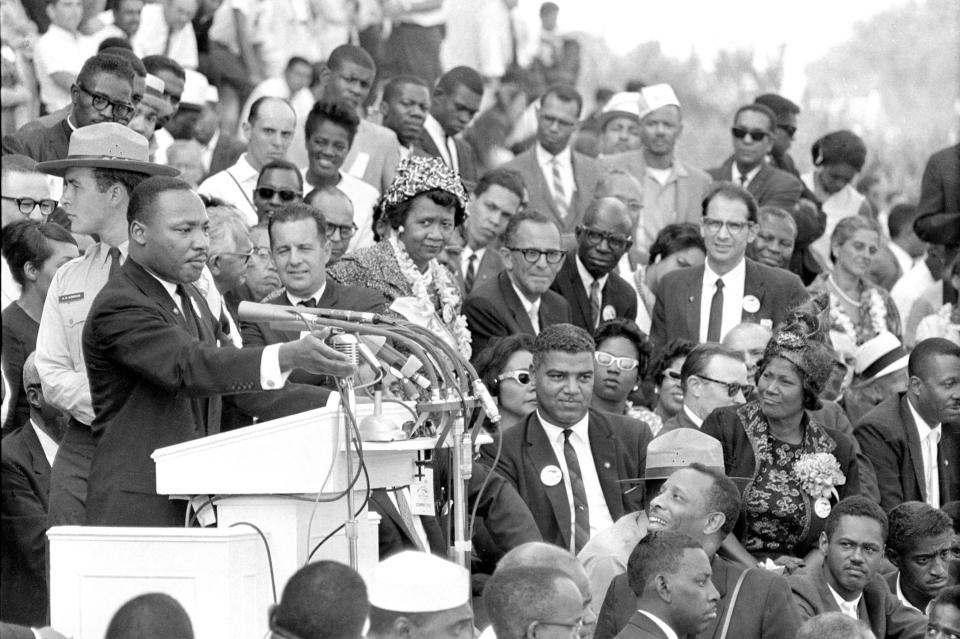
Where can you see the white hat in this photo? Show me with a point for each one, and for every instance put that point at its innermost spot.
(879, 356)
(413, 581)
(195, 88)
(655, 96)
(623, 103)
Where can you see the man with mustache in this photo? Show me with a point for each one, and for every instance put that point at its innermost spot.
(670, 574)
(848, 581)
(919, 546)
(915, 457)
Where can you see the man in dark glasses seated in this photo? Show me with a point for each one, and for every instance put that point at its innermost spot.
(712, 376)
(280, 182)
(753, 139)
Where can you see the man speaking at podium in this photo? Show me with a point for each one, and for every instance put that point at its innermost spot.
(156, 368)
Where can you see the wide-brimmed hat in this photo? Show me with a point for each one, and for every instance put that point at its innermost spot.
(625, 103)
(677, 449)
(879, 356)
(107, 145)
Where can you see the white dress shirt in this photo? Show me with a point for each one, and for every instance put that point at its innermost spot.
(692, 416)
(903, 258)
(929, 442)
(667, 630)
(151, 38)
(580, 440)
(47, 443)
(734, 282)
(532, 309)
(59, 354)
(735, 174)
(848, 608)
(235, 186)
(565, 159)
(444, 144)
(465, 259)
(588, 279)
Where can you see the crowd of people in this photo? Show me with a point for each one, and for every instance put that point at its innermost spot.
(729, 398)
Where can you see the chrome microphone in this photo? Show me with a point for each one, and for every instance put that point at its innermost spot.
(349, 345)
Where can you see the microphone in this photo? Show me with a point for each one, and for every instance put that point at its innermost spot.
(254, 312)
(393, 361)
(346, 343)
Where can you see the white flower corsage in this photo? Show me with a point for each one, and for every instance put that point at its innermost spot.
(819, 475)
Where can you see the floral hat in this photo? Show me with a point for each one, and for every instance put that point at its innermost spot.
(416, 175)
(800, 341)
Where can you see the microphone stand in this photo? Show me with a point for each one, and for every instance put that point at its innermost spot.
(347, 343)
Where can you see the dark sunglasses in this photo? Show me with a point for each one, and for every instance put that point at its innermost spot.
(732, 387)
(266, 193)
(756, 135)
(28, 204)
(595, 236)
(522, 377)
(789, 130)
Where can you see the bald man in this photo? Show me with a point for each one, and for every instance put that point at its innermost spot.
(749, 339)
(337, 210)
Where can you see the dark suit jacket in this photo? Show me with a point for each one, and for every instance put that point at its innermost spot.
(225, 154)
(938, 213)
(888, 437)
(616, 293)
(619, 447)
(771, 187)
(586, 174)
(466, 158)
(42, 143)
(24, 498)
(680, 420)
(764, 607)
(394, 535)
(640, 626)
(494, 310)
(491, 265)
(677, 313)
(153, 385)
(13, 631)
(886, 616)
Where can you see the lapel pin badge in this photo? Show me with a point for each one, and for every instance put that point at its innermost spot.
(751, 304)
(551, 475)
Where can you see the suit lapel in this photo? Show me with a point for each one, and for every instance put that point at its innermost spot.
(752, 285)
(515, 306)
(603, 445)
(691, 300)
(540, 453)
(913, 444)
(572, 275)
(758, 185)
(545, 193)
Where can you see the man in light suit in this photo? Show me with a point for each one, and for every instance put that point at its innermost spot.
(456, 99)
(912, 438)
(155, 364)
(705, 302)
(559, 180)
(565, 459)
(519, 299)
(375, 151)
(672, 189)
(848, 581)
(753, 130)
(495, 200)
(666, 572)
(588, 278)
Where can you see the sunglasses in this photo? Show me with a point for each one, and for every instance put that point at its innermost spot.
(756, 135)
(28, 204)
(521, 377)
(532, 255)
(595, 236)
(789, 130)
(672, 375)
(732, 387)
(623, 363)
(266, 193)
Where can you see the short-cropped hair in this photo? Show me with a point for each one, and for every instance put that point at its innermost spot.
(723, 496)
(323, 600)
(338, 112)
(949, 596)
(143, 198)
(154, 615)
(856, 506)
(507, 178)
(759, 108)
(834, 625)
(923, 353)
(281, 165)
(517, 597)
(562, 338)
(780, 214)
(565, 93)
(656, 554)
(529, 215)
(734, 192)
(28, 240)
(674, 238)
(911, 523)
(700, 357)
(462, 76)
(298, 211)
(105, 63)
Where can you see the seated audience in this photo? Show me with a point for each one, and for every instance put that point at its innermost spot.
(945, 616)
(775, 238)
(750, 340)
(337, 210)
(667, 389)
(945, 322)
(151, 616)
(322, 600)
(920, 546)
(520, 600)
(620, 124)
(712, 376)
(455, 101)
(834, 625)
(848, 581)
(506, 368)
(278, 184)
(676, 246)
(24, 193)
(620, 362)
(880, 372)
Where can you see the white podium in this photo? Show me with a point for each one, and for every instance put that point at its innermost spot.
(283, 476)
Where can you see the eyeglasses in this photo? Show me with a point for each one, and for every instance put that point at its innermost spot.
(756, 135)
(243, 257)
(938, 631)
(266, 193)
(532, 255)
(346, 230)
(732, 387)
(623, 363)
(100, 102)
(713, 226)
(520, 376)
(672, 374)
(28, 204)
(595, 236)
(262, 252)
(789, 130)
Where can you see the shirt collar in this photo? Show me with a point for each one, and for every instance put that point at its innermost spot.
(169, 287)
(527, 304)
(841, 601)
(554, 432)
(545, 157)
(923, 428)
(667, 630)
(752, 173)
(736, 274)
(47, 443)
(903, 599)
(242, 170)
(693, 417)
(467, 252)
(435, 131)
(294, 300)
(212, 144)
(588, 279)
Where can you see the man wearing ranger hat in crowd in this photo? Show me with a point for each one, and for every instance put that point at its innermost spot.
(620, 124)
(416, 594)
(695, 498)
(672, 189)
(104, 163)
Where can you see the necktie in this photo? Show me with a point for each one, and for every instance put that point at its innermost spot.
(471, 274)
(115, 261)
(403, 507)
(534, 315)
(208, 410)
(559, 195)
(581, 512)
(310, 303)
(743, 180)
(595, 302)
(189, 316)
(716, 314)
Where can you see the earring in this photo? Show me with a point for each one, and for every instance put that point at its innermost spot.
(400, 229)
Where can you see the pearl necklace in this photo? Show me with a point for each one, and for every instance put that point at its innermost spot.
(841, 292)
